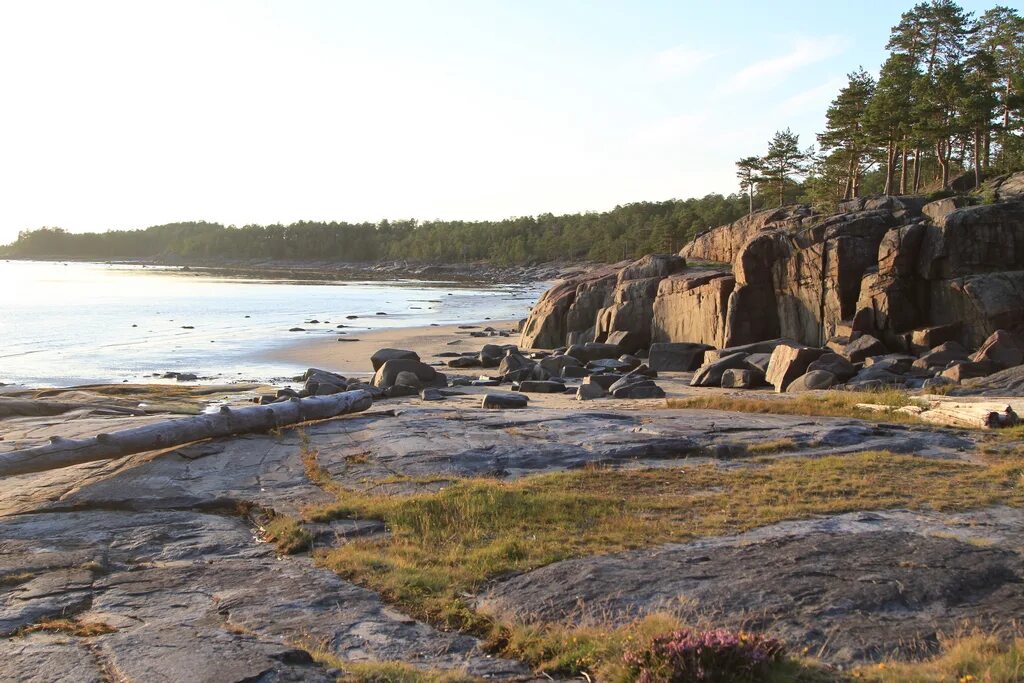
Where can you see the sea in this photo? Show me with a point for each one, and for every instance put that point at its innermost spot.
(67, 324)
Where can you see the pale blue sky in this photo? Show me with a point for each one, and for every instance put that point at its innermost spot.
(127, 114)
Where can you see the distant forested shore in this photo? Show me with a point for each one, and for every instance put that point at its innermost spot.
(623, 232)
(945, 112)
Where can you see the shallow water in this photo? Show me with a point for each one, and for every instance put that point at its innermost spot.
(76, 323)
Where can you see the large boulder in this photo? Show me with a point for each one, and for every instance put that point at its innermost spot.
(676, 356)
(788, 363)
(863, 347)
(512, 362)
(571, 305)
(812, 380)
(982, 303)
(710, 374)
(835, 365)
(504, 401)
(382, 356)
(737, 378)
(491, 354)
(961, 370)
(974, 239)
(942, 355)
(631, 309)
(629, 341)
(925, 339)
(388, 372)
(691, 307)
(1003, 348)
(593, 351)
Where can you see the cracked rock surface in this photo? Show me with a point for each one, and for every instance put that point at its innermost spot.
(155, 547)
(850, 588)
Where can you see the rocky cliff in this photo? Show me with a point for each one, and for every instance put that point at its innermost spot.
(886, 266)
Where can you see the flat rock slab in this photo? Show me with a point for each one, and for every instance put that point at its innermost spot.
(193, 596)
(453, 442)
(855, 587)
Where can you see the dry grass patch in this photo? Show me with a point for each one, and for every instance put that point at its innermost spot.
(821, 404)
(770, 447)
(71, 627)
(979, 658)
(382, 672)
(287, 535)
(446, 544)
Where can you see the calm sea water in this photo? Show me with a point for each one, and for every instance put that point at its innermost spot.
(76, 323)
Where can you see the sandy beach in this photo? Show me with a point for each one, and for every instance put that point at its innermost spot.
(350, 354)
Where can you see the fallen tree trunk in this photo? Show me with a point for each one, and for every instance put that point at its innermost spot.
(227, 421)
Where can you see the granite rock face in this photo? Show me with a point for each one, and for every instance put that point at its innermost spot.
(888, 267)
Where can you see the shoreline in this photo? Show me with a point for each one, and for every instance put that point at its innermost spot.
(473, 273)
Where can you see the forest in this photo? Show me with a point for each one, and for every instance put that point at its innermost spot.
(946, 108)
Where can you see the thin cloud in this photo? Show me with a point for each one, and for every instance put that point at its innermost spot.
(773, 70)
(678, 61)
(814, 99)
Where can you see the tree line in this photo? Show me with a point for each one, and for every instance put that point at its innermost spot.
(949, 99)
(624, 232)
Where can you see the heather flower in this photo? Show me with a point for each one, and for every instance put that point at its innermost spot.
(705, 656)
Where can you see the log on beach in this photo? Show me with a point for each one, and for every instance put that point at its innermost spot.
(61, 452)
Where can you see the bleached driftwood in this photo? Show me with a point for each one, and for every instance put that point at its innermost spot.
(948, 413)
(61, 452)
(989, 415)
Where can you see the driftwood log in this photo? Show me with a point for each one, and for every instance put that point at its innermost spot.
(61, 452)
(949, 413)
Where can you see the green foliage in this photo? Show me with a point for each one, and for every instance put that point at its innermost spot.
(784, 160)
(624, 232)
(949, 98)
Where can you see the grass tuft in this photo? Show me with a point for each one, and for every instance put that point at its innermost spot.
(978, 658)
(287, 535)
(821, 404)
(71, 627)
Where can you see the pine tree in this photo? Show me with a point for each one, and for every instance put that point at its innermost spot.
(888, 122)
(784, 159)
(748, 170)
(845, 127)
(999, 35)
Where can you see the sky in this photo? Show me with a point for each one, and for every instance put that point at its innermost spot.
(118, 115)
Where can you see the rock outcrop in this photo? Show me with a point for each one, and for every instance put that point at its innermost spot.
(893, 268)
